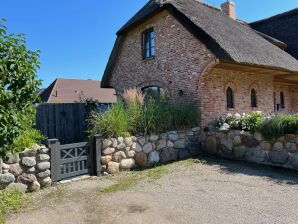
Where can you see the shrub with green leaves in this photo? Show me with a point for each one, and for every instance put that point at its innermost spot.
(18, 86)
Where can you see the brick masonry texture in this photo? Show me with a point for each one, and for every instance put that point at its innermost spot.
(180, 59)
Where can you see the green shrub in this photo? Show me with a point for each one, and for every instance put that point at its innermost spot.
(10, 200)
(251, 122)
(273, 127)
(113, 122)
(18, 85)
(26, 140)
(137, 117)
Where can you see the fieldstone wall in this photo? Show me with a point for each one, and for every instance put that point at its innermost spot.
(132, 152)
(254, 148)
(26, 171)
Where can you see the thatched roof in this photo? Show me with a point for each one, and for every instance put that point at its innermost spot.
(283, 27)
(227, 39)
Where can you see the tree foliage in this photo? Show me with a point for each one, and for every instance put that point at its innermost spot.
(18, 85)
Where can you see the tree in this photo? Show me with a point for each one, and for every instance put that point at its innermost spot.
(18, 86)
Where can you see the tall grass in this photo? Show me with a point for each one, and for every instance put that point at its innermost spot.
(136, 116)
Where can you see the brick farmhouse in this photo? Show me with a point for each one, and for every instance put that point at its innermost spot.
(196, 52)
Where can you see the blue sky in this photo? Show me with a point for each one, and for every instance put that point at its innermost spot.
(77, 36)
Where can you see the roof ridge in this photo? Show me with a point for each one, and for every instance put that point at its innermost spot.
(283, 14)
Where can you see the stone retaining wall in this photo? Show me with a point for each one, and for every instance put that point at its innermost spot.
(255, 148)
(132, 152)
(26, 171)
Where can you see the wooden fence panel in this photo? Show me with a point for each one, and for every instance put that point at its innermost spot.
(65, 122)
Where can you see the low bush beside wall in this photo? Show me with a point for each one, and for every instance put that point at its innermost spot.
(125, 153)
(26, 171)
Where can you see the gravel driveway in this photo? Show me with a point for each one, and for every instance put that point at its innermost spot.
(215, 191)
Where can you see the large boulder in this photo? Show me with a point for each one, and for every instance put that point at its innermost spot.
(141, 141)
(130, 154)
(147, 148)
(44, 174)
(180, 144)
(28, 153)
(249, 141)
(43, 150)
(43, 166)
(141, 159)
(136, 147)
(121, 146)
(15, 169)
(279, 156)
(211, 145)
(29, 161)
(256, 155)
(226, 147)
(27, 178)
(22, 188)
(162, 143)
(194, 148)
(265, 145)
(153, 158)
(291, 147)
(120, 140)
(128, 141)
(105, 160)
(173, 136)
(6, 179)
(239, 151)
(127, 164)
(46, 182)
(168, 154)
(107, 143)
(108, 151)
(118, 156)
(153, 138)
(113, 167)
(43, 157)
(278, 145)
(183, 154)
(12, 159)
(294, 160)
(35, 186)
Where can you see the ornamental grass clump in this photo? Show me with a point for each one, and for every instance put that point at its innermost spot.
(141, 114)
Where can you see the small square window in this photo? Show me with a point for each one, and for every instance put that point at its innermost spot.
(148, 44)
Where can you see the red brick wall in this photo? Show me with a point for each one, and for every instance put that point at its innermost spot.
(214, 84)
(179, 59)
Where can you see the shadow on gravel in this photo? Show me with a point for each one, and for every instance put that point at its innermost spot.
(278, 175)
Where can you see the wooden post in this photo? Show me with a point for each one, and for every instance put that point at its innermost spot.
(53, 145)
(98, 147)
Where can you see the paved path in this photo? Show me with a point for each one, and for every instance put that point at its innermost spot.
(215, 192)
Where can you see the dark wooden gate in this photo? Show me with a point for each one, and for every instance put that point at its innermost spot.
(66, 122)
(75, 159)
